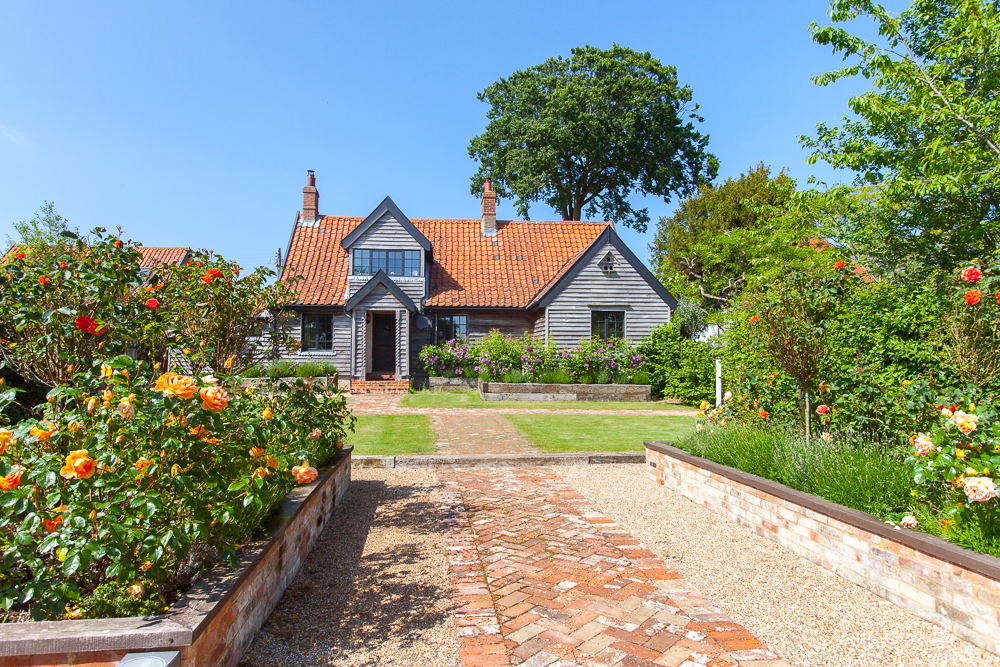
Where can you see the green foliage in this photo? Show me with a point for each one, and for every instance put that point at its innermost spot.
(46, 237)
(584, 133)
(731, 236)
(452, 358)
(925, 141)
(126, 472)
(115, 601)
(863, 476)
(215, 313)
(513, 376)
(314, 369)
(677, 366)
(500, 354)
(61, 312)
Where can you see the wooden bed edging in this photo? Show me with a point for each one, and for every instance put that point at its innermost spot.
(214, 623)
(943, 583)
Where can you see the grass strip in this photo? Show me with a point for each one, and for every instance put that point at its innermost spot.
(387, 435)
(556, 433)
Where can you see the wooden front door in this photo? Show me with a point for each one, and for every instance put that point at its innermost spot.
(383, 342)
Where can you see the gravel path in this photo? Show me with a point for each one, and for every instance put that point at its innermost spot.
(810, 616)
(375, 590)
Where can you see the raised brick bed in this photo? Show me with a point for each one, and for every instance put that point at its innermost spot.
(215, 622)
(533, 391)
(380, 386)
(940, 582)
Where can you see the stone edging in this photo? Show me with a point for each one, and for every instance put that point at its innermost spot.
(536, 391)
(497, 460)
(943, 583)
(205, 624)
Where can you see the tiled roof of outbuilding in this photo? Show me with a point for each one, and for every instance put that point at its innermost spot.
(155, 257)
(469, 270)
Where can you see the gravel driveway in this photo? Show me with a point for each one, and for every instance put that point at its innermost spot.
(375, 589)
(807, 614)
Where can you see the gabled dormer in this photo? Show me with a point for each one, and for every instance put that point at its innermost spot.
(387, 241)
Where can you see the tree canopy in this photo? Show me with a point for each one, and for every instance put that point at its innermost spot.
(730, 234)
(584, 133)
(925, 142)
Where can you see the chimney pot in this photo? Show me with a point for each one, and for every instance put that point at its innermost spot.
(310, 199)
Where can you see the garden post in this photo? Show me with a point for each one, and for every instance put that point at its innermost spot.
(808, 422)
(718, 382)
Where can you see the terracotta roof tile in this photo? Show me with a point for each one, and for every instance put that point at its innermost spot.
(154, 257)
(468, 271)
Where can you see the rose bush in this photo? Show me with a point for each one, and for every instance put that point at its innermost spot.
(453, 358)
(136, 478)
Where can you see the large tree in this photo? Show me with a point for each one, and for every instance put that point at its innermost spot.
(925, 141)
(584, 133)
(728, 235)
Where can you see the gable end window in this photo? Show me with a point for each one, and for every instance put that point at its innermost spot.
(452, 327)
(606, 324)
(317, 331)
(394, 262)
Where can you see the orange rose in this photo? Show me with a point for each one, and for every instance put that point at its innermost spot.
(262, 472)
(142, 464)
(839, 265)
(762, 414)
(50, 526)
(43, 434)
(6, 440)
(973, 296)
(11, 481)
(304, 473)
(42, 280)
(214, 398)
(177, 386)
(79, 465)
(753, 320)
(271, 461)
(256, 452)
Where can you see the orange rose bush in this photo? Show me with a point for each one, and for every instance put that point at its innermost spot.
(133, 479)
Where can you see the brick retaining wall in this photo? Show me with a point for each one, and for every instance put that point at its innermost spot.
(213, 624)
(940, 582)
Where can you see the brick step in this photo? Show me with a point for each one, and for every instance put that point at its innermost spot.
(380, 386)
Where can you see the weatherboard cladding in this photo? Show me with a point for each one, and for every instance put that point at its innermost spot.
(594, 289)
(468, 270)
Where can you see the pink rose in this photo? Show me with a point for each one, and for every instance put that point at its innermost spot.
(823, 409)
(909, 522)
(923, 444)
(980, 489)
(972, 275)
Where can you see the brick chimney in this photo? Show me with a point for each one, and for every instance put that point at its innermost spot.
(489, 210)
(310, 199)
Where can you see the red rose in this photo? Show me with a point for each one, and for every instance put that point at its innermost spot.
(85, 324)
(971, 274)
(753, 320)
(972, 297)
(153, 303)
(18, 255)
(197, 263)
(215, 273)
(206, 279)
(998, 298)
(763, 414)
(118, 244)
(62, 265)
(42, 280)
(839, 265)
(823, 409)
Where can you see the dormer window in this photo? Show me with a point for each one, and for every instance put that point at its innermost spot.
(607, 265)
(393, 262)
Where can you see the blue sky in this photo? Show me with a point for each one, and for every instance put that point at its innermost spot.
(193, 123)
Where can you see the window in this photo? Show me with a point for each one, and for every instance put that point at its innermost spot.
(317, 331)
(452, 326)
(605, 324)
(393, 262)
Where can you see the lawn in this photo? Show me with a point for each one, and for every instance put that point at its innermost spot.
(385, 435)
(470, 399)
(596, 433)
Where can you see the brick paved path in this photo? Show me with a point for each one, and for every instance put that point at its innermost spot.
(483, 432)
(542, 579)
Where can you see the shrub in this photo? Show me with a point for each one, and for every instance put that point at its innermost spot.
(500, 354)
(129, 470)
(513, 376)
(453, 358)
(677, 366)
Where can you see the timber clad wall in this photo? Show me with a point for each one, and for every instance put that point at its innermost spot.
(539, 327)
(341, 353)
(386, 234)
(513, 323)
(592, 289)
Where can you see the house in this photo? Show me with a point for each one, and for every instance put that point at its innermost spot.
(372, 291)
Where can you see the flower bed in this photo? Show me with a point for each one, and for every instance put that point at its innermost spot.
(133, 483)
(532, 391)
(500, 358)
(215, 621)
(940, 582)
